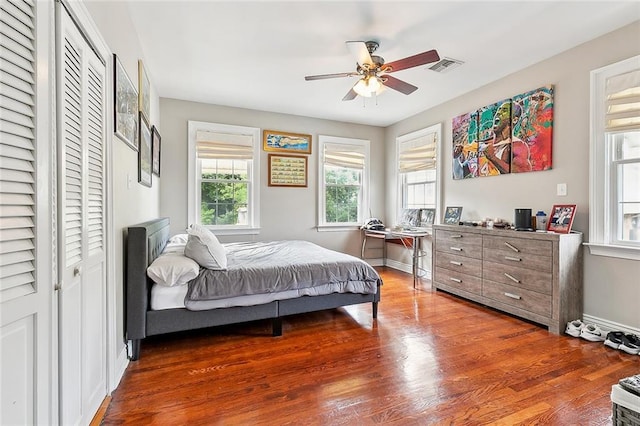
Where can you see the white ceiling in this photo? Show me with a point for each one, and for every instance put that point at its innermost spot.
(256, 54)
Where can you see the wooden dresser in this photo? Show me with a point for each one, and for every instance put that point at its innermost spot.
(537, 276)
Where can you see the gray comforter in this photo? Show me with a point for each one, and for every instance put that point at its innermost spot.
(269, 267)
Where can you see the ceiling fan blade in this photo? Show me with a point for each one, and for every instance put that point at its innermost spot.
(413, 61)
(399, 85)
(324, 76)
(359, 51)
(351, 95)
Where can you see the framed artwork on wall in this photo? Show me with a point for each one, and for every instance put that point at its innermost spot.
(144, 154)
(125, 106)
(144, 96)
(287, 170)
(295, 143)
(155, 146)
(452, 215)
(561, 218)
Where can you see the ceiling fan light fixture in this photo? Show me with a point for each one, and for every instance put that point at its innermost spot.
(367, 86)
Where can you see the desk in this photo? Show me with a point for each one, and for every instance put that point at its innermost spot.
(390, 234)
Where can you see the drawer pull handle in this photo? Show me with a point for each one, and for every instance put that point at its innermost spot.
(513, 296)
(456, 236)
(512, 247)
(515, 259)
(456, 280)
(456, 248)
(512, 278)
(453, 262)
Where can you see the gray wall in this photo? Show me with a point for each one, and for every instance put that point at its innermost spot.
(611, 290)
(285, 213)
(132, 202)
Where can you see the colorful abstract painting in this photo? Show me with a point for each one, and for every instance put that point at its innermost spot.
(494, 139)
(465, 146)
(532, 118)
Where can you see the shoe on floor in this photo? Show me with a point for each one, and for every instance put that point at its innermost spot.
(614, 339)
(630, 344)
(574, 328)
(592, 333)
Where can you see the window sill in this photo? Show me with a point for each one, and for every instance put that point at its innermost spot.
(234, 231)
(620, 252)
(337, 228)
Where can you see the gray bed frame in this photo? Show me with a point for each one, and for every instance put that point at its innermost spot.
(145, 241)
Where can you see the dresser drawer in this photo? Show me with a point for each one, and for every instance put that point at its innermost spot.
(458, 280)
(465, 265)
(524, 299)
(522, 260)
(518, 245)
(528, 279)
(461, 243)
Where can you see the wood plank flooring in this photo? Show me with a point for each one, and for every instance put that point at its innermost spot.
(429, 358)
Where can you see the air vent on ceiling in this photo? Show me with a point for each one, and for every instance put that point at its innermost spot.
(445, 65)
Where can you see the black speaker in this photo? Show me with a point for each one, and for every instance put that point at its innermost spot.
(523, 220)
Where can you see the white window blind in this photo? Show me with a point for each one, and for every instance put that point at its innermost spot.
(223, 146)
(623, 102)
(417, 154)
(17, 147)
(347, 156)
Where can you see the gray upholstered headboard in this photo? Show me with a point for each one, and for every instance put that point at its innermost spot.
(143, 242)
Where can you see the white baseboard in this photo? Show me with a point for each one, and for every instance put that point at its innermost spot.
(607, 325)
(121, 365)
(375, 262)
(405, 267)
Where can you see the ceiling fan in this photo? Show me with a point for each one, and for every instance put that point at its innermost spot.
(374, 72)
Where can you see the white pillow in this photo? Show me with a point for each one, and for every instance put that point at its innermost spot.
(203, 247)
(173, 269)
(179, 239)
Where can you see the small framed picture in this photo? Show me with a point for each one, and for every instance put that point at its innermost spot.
(125, 106)
(145, 154)
(287, 170)
(452, 215)
(561, 218)
(144, 91)
(293, 143)
(155, 144)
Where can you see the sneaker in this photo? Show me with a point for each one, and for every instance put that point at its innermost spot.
(614, 339)
(630, 344)
(574, 328)
(592, 333)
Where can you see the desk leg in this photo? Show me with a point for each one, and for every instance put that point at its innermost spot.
(364, 242)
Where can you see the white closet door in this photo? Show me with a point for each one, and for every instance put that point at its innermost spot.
(82, 295)
(26, 229)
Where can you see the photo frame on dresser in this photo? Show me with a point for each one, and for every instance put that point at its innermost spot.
(561, 218)
(452, 215)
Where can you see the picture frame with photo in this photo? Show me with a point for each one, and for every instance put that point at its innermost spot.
(561, 218)
(144, 92)
(294, 143)
(125, 106)
(287, 170)
(452, 215)
(155, 146)
(145, 153)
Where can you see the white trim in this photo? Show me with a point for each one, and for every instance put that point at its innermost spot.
(375, 261)
(192, 179)
(121, 364)
(608, 326)
(434, 128)
(601, 232)
(408, 268)
(364, 202)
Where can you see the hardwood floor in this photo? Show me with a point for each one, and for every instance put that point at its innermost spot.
(429, 358)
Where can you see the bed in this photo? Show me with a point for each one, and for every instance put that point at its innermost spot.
(145, 242)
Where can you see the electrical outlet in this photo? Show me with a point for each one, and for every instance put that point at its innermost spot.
(561, 189)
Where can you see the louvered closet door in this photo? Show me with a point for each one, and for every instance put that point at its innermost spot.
(26, 277)
(81, 112)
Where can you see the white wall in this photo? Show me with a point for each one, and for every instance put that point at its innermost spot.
(132, 202)
(611, 289)
(285, 213)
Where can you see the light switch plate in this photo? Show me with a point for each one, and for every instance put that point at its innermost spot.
(561, 189)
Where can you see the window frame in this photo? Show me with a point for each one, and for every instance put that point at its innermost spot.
(400, 177)
(603, 240)
(364, 202)
(194, 178)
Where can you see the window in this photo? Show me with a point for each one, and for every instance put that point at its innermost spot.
(344, 181)
(224, 177)
(614, 211)
(417, 169)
